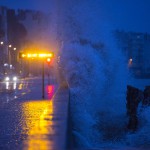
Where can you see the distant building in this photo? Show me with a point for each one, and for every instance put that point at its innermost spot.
(22, 29)
(3, 37)
(3, 23)
(136, 47)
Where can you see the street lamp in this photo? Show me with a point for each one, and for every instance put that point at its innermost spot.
(9, 54)
(48, 60)
(130, 62)
(44, 57)
(7, 50)
(10, 46)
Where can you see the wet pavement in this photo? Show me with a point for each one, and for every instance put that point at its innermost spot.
(28, 122)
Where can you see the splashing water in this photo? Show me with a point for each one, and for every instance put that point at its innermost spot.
(97, 74)
(96, 77)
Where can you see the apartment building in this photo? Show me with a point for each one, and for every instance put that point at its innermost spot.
(136, 47)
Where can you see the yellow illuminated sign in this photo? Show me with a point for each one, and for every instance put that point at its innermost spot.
(35, 55)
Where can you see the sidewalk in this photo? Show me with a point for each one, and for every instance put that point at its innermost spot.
(59, 119)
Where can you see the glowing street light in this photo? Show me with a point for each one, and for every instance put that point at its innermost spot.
(45, 56)
(15, 48)
(131, 59)
(130, 62)
(2, 42)
(10, 46)
(48, 60)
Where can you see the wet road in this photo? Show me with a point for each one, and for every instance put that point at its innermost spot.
(25, 119)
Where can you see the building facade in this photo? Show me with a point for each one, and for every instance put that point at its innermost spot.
(20, 30)
(136, 47)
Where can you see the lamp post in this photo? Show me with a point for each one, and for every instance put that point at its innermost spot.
(2, 43)
(44, 57)
(1, 54)
(8, 50)
(9, 54)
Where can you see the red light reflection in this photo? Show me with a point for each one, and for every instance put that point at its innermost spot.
(50, 89)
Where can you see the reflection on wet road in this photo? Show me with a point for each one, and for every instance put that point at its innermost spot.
(11, 86)
(37, 126)
(26, 121)
(11, 90)
(50, 90)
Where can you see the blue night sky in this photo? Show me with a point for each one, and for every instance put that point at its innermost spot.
(130, 15)
(27, 4)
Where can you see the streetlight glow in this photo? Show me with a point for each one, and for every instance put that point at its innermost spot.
(10, 46)
(48, 60)
(2, 42)
(15, 48)
(130, 62)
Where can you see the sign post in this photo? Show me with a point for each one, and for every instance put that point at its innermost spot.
(43, 79)
(44, 56)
